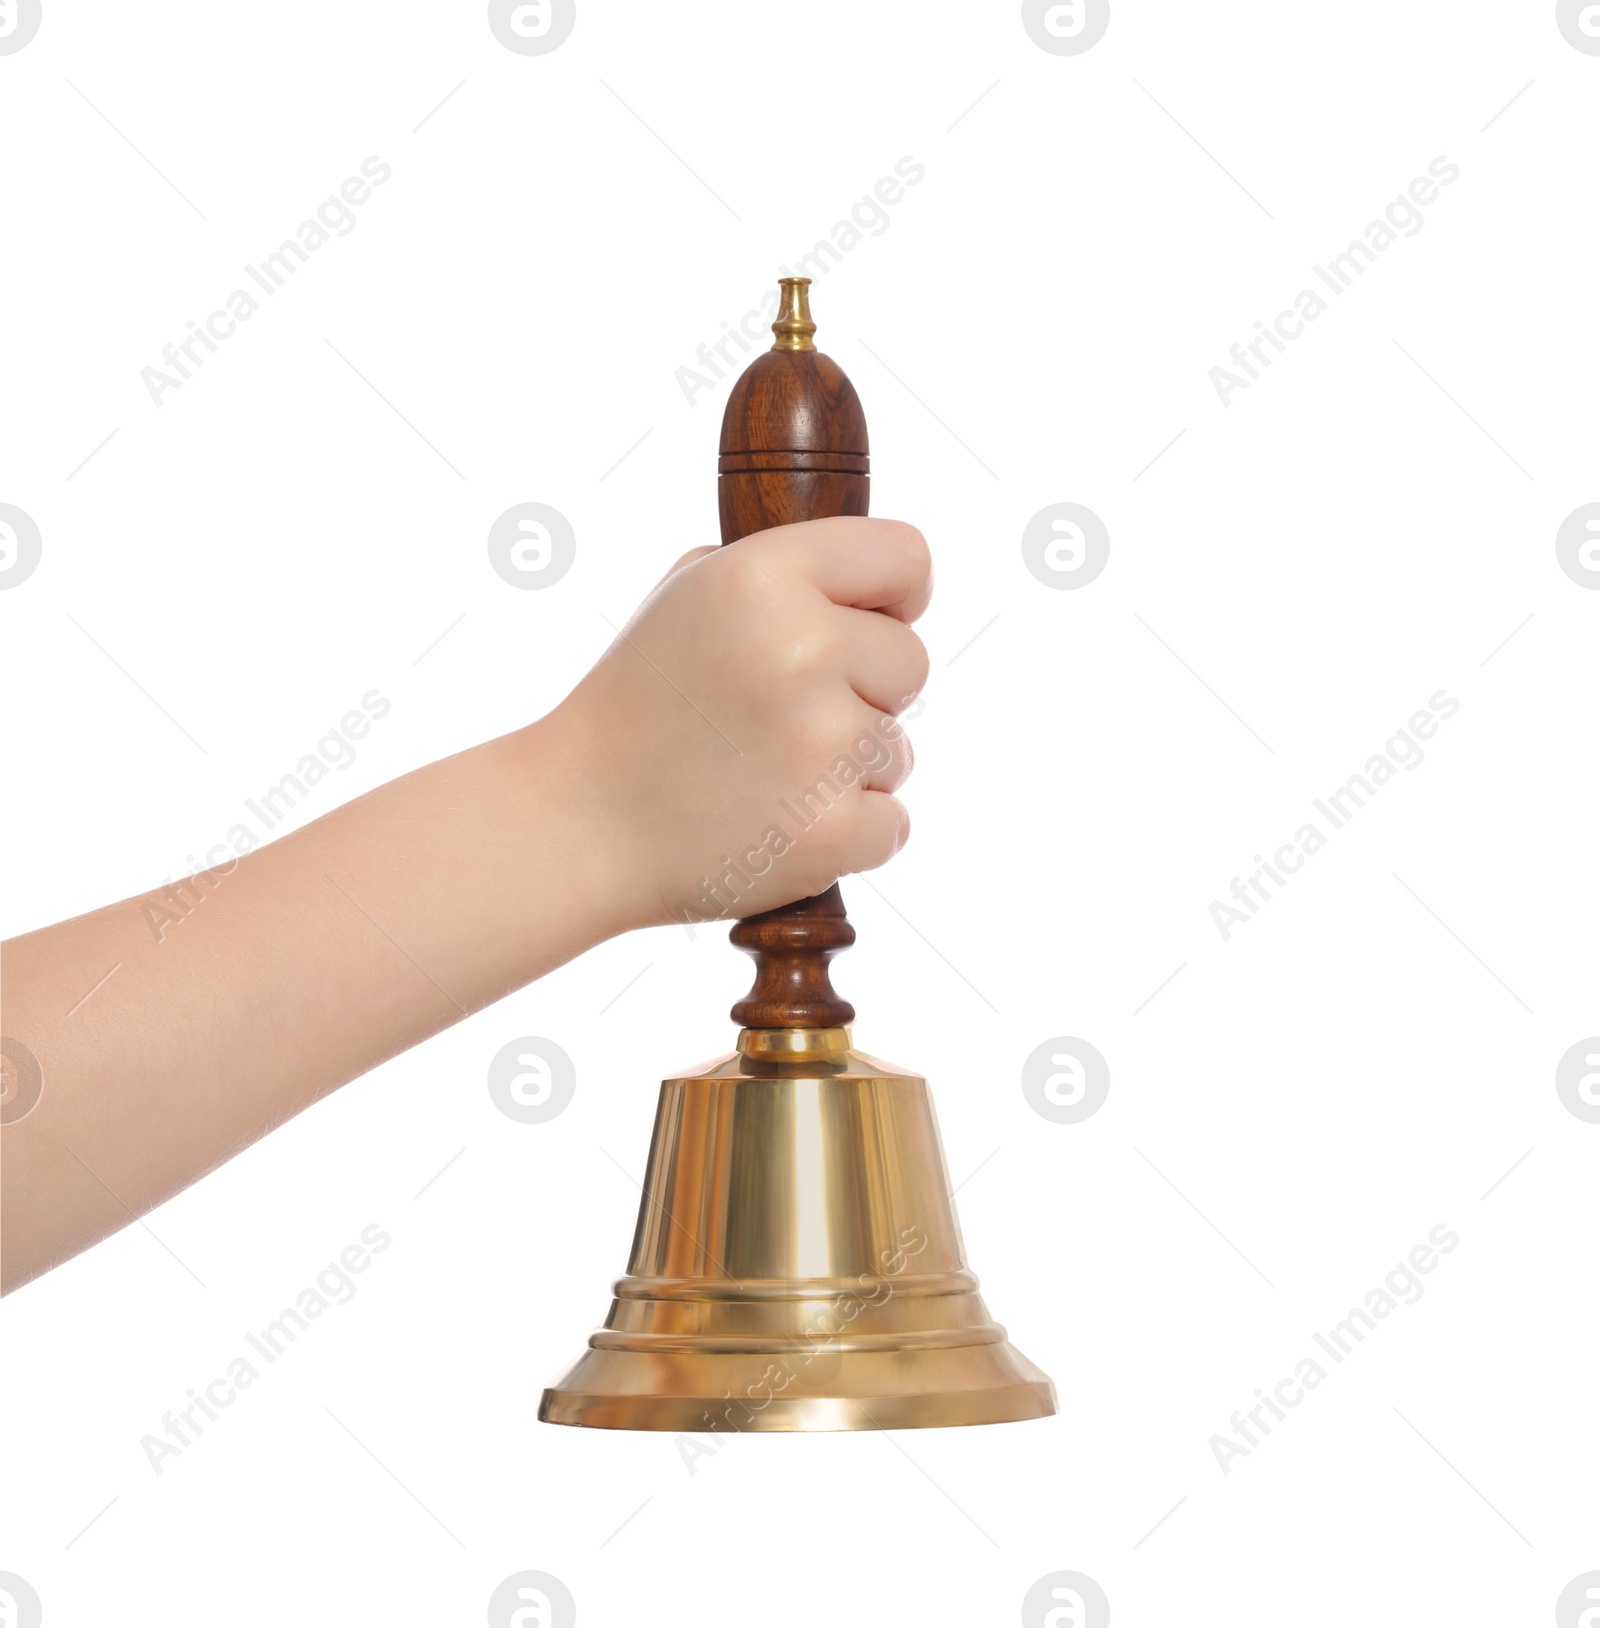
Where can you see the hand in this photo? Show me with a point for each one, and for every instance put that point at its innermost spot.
(738, 741)
(733, 750)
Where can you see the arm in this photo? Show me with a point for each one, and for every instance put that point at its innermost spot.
(744, 677)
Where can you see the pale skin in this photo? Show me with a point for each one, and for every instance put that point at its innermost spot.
(746, 674)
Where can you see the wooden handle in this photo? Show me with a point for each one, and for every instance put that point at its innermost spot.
(792, 947)
(794, 447)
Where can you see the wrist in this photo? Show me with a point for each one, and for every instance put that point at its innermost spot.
(567, 823)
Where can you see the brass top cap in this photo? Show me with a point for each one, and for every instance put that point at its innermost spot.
(794, 326)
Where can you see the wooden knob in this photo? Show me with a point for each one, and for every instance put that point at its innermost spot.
(794, 447)
(792, 947)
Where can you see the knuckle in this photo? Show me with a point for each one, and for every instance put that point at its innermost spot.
(746, 572)
(803, 655)
(902, 828)
(890, 827)
(917, 666)
(910, 663)
(910, 543)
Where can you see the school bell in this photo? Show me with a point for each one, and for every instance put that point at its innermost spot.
(797, 1264)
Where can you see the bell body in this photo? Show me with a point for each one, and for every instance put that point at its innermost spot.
(797, 1266)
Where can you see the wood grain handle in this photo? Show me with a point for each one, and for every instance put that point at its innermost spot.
(794, 447)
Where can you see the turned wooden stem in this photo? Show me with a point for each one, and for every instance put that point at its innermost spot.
(794, 447)
(792, 947)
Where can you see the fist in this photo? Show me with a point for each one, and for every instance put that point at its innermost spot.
(739, 739)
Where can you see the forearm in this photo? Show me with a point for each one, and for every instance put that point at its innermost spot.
(175, 1028)
(242, 996)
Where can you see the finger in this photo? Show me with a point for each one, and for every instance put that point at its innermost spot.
(877, 831)
(876, 750)
(891, 765)
(887, 664)
(880, 565)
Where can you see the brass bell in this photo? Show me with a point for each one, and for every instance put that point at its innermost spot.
(797, 1263)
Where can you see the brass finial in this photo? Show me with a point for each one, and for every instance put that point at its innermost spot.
(794, 326)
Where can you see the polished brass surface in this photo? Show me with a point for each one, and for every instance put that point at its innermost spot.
(794, 326)
(795, 1045)
(797, 1265)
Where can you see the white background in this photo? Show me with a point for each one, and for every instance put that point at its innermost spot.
(1288, 582)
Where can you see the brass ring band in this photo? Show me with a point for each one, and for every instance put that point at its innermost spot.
(914, 1286)
(932, 1339)
(795, 1045)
